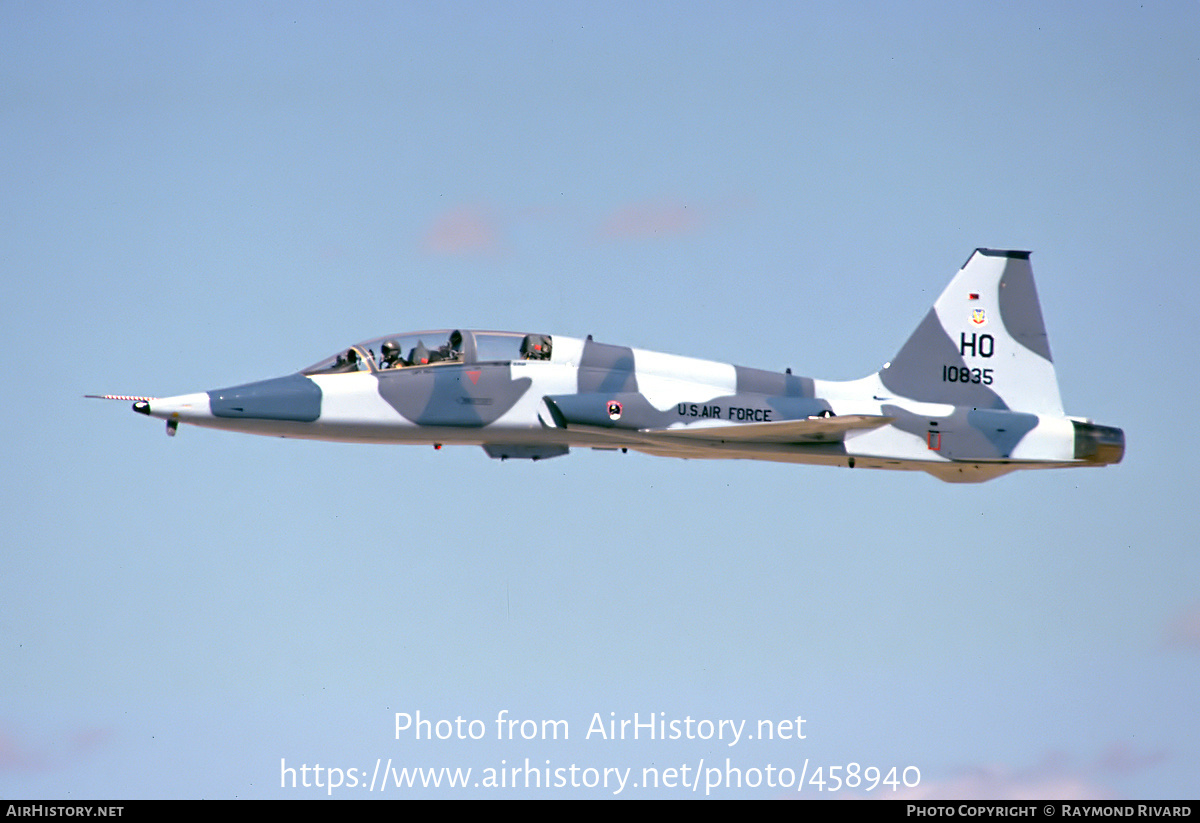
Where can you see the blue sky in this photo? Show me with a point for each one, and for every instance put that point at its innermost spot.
(198, 196)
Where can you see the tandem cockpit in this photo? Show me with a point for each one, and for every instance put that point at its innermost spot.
(433, 348)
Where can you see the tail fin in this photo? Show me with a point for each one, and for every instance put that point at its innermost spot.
(983, 344)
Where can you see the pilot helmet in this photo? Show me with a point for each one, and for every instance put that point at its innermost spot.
(390, 349)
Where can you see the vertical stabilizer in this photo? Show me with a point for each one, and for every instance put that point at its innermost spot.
(983, 344)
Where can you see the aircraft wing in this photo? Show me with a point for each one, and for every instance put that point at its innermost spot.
(810, 430)
(750, 440)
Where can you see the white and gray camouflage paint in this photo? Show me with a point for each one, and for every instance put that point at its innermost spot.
(970, 396)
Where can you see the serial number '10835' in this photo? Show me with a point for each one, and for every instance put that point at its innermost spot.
(962, 374)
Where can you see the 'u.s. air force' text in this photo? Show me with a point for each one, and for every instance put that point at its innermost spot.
(747, 414)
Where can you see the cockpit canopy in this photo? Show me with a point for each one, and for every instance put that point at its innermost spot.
(432, 348)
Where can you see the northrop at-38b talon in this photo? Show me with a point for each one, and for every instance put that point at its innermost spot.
(970, 396)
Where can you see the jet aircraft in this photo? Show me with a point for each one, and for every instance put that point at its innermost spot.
(970, 396)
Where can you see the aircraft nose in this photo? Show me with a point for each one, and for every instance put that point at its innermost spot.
(184, 407)
(294, 397)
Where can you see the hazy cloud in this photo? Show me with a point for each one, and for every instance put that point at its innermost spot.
(19, 756)
(1121, 759)
(464, 230)
(1057, 777)
(661, 218)
(1184, 631)
(1002, 783)
(16, 757)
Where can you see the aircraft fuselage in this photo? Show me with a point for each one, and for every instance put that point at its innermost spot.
(970, 396)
